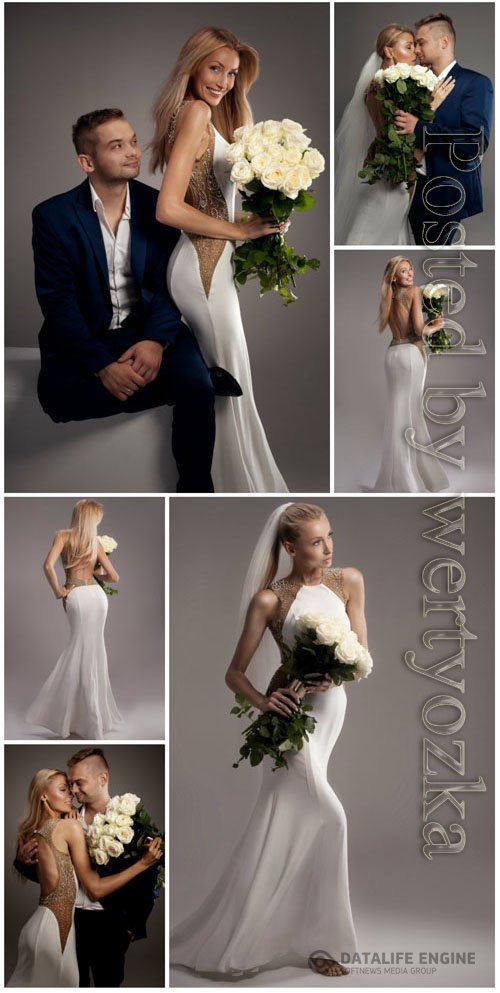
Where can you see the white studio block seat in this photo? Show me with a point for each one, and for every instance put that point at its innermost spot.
(126, 453)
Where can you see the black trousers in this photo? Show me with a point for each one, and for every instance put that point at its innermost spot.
(444, 228)
(101, 944)
(68, 393)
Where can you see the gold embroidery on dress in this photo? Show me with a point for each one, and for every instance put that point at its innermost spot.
(204, 194)
(286, 590)
(62, 898)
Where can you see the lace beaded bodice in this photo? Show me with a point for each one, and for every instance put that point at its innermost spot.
(286, 590)
(61, 899)
(205, 194)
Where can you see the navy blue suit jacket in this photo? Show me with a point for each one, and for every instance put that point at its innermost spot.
(467, 110)
(72, 281)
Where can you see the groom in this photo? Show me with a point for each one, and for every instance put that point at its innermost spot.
(448, 187)
(112, 339)
(103, 929)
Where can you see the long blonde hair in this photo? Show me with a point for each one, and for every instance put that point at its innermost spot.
(388, 36)
(290, 525)
(81, 546)
(35, 814)
(387, 289)
(232, 112)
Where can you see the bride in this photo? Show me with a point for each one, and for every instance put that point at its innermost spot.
(374, 214)
(403, 468)
(284, 896)
(201, 105)
(47, 950)
(77, 696)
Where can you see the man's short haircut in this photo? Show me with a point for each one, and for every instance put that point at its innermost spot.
(89, 753)
(83, 137)
(441, 21)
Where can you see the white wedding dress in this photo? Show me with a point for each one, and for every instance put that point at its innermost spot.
(285, 891)
(77, 696)
(365, 214)
(47, 948)
(200, 281)
(403, 468)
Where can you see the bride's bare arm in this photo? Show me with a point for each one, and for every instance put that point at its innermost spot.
(106, 571)
(260, 612)
(354, 588)
(172, 207)
(88, 877)
(49, 565)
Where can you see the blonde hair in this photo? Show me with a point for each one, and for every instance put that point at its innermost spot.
(388, 37)
(290, 525)
(232, 112)
(81, 546)
(387, 289)
(35, 814)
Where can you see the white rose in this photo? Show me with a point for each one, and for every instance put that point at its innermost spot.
(123, 820)
(298, 140)
(330, 632)
(242, 172)
(314, 161)
(404, 70)
(348, 648)
(310, 621)
(113, 847)
(417, 72)
(96, 832)
(114, 804)
(99, 819)
(272, 176)
(297, 178)
(100, 857)
(260, 162)
(235, 152)
(391, 74)
(111, 816)
(129, 803)
(379, 76)
(292, 156)
(108, 543)
(271, 130)
(364, 663)
(255, 146)
(275, 151)
(291, 127)
(125, 834)
(242, 133)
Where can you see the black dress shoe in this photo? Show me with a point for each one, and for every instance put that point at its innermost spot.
(224, 384)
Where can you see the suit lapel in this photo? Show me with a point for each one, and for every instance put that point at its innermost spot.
(89, 221)
(138, 237)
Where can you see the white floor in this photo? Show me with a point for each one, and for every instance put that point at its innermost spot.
(144, 722)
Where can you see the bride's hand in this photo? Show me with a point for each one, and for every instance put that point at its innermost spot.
(153, 852)
(72, 815)
(257, 227)
(443, 89)
(320, 687)
(433, 326)
(281, 702)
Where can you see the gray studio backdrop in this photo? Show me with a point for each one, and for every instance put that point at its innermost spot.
(61, 62)
(360, 384)
(401, 901)
(356, 28)
(36, 625)
(135, 769)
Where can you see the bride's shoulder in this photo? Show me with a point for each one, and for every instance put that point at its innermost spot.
(352, 579)
(194, 113)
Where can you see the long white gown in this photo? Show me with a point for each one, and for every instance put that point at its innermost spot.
(285, 892)
(200, 281)
(77, 696)
(47, 948)
(404, 469)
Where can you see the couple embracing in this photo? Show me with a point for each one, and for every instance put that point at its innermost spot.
(97, 868)
(136, 287)
(443, 186)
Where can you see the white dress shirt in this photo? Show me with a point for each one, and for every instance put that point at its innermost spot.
(83, 901)
(442, 75)
(117, 247)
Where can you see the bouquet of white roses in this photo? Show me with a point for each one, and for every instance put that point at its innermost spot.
(275, 164)
(121, 831)
(391, 156)
(325, 648)
(434, 296)
(109, 544)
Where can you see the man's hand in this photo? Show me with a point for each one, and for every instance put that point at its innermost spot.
(120, 379)
(405, 123)
(27, 852)
(145, 358)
